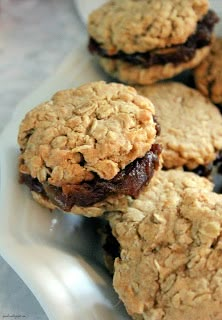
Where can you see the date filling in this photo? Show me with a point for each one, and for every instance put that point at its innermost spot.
(128, 181)
(174, 54)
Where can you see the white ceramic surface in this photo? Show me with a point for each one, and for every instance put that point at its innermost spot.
(57, 255)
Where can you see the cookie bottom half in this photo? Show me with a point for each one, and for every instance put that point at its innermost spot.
(128, 181)
(136, 74)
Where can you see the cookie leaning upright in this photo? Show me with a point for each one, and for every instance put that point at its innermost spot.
(191, 126)
(143, 41)
(208, 75)
(88, 145)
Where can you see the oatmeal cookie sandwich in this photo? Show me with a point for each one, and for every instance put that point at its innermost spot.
(141, 42)
(170, 260)
(191, 126)
(88, 148)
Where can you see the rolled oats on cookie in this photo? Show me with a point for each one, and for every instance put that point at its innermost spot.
(88, 147)
(191, 126)
(165, 185)
(170, 259)
(141, 42)
(208, 75)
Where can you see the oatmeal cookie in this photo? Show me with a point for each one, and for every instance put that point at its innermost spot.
(164, 184)
(148, 40)
(208, 75)
(170, 250)
(191, 126)
(88, 144)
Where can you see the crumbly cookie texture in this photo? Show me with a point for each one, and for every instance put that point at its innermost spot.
(138, 26)
(116, 203)
(136, 74)
(96, 128)
(208, 75)
(43, 201)
(191, 126)
(170, 239)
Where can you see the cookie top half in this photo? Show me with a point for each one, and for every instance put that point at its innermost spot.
(191, 126)
(97, 127)
(138, 26)
(170, 243)
(208, 75)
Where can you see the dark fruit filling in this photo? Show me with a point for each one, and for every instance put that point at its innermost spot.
(176, 54)
(128, 181)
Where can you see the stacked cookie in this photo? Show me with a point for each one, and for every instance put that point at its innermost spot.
(88, 149)
(140, 42)
(98, 150)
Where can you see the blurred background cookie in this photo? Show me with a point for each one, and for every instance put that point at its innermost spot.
(208, 75)
(87, 144)
(191, 126)
(141, 42)
(170, 261)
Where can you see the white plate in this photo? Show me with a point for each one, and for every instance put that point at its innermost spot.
(57, 255)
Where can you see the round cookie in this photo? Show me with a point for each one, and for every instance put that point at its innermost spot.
(191, 126)
(87, 145)
(164, 185)
(170, 250)
(208, 75)
(148, 40)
